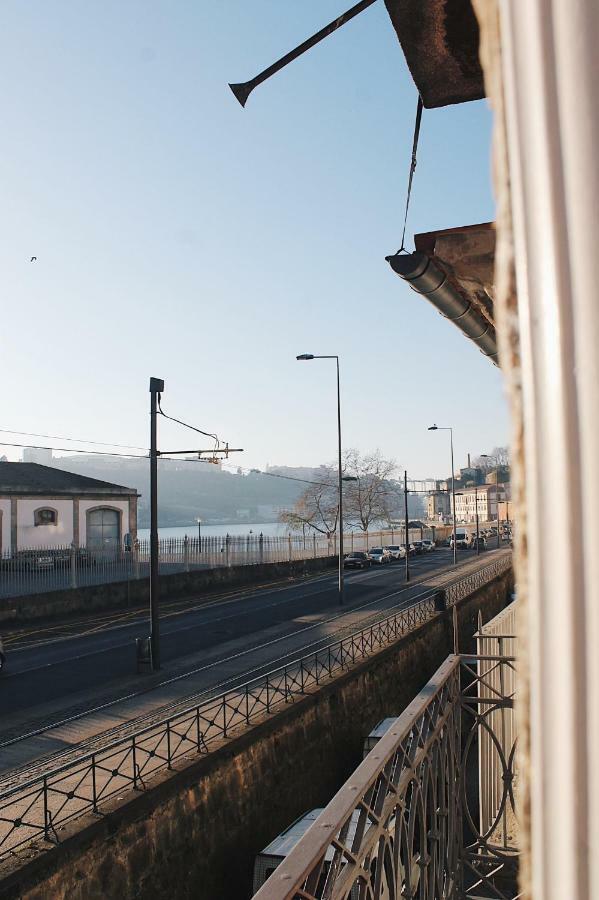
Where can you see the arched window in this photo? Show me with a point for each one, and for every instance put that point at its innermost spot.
(45, 516)
(103, 528)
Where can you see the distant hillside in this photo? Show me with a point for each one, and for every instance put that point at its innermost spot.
(187, 490)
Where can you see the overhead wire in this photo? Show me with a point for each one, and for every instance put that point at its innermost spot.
(56, 437)
(186, 425)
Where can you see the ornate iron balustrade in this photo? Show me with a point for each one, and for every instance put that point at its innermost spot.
(475, 580)
(405, 824)
(39, 807)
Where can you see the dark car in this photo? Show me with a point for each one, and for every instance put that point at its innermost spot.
(34, 560)
(418, 546)
(357, 560)
(478, 542)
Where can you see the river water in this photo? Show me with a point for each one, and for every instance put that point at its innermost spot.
(236, 528)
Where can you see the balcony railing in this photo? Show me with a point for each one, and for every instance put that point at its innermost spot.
(407, 823)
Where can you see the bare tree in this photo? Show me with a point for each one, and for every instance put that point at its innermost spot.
(500, 456)
(372, 497)
(367, 500)
(318, 507)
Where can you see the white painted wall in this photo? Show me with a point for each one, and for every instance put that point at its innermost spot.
(5, 508)
(30, 535)
(85, 505)
(61, 534)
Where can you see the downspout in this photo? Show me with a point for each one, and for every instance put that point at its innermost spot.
(427, 279)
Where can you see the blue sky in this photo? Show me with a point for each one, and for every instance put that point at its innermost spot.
(180, 236)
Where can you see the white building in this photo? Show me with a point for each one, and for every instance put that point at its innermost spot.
(41, 506)
(438, 505)
(487, 496)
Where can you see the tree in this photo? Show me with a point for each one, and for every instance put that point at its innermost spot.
(373, 496)
(367, 501)
(317, 507)
(499, 456)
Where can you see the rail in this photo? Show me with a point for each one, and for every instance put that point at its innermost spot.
(404, 824)
(38, 808)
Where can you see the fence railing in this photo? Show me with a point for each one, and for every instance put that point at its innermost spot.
(404, 824)
(38, 808)
(31, 570)
(497, 638)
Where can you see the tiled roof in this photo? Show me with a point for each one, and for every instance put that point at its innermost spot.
(32, 478)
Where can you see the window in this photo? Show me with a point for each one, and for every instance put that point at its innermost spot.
(103, 528)
(45, 516)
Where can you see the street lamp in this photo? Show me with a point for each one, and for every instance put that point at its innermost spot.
(308, 356)
(199, 521)
(450, 430)
(490, 456)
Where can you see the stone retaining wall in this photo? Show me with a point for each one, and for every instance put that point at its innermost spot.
(124, 594)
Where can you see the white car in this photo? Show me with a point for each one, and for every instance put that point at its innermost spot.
(429, 546)
(396, 551)
(379, 555)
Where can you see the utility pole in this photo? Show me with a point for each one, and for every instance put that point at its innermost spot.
(405, 500)
(476, 504)
(156, 388)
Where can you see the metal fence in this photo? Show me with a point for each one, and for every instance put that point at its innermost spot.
(403, 824)
(38, 808)
(32, 570)
(497, 743)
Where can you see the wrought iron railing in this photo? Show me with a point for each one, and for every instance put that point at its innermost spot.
(497, 638)
(41, 569)
(405, 823)
(39, 807)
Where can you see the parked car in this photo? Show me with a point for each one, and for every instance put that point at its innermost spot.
(479, 541)
(34, 560)
(379, 555)
(55, 558)
(418, 547)
(397, 551)
(429, 546)
(411, 549)
(357, 560)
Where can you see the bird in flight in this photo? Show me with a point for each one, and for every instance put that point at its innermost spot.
(33, 258)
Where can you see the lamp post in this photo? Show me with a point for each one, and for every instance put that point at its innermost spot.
(199, 521)
(450, 430)
(490, 456)
(308, 356)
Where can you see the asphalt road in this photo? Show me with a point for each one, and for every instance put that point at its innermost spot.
(45, 672)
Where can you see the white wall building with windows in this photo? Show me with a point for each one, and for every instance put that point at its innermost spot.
(486, 496)
(41, 506)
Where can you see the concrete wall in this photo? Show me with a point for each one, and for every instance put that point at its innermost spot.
(30, 535)
(123, 594)
(195, 833)
(63, 533)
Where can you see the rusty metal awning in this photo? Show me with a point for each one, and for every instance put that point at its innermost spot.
(440, 40)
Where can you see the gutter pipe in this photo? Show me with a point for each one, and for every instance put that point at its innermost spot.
(427, 279)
